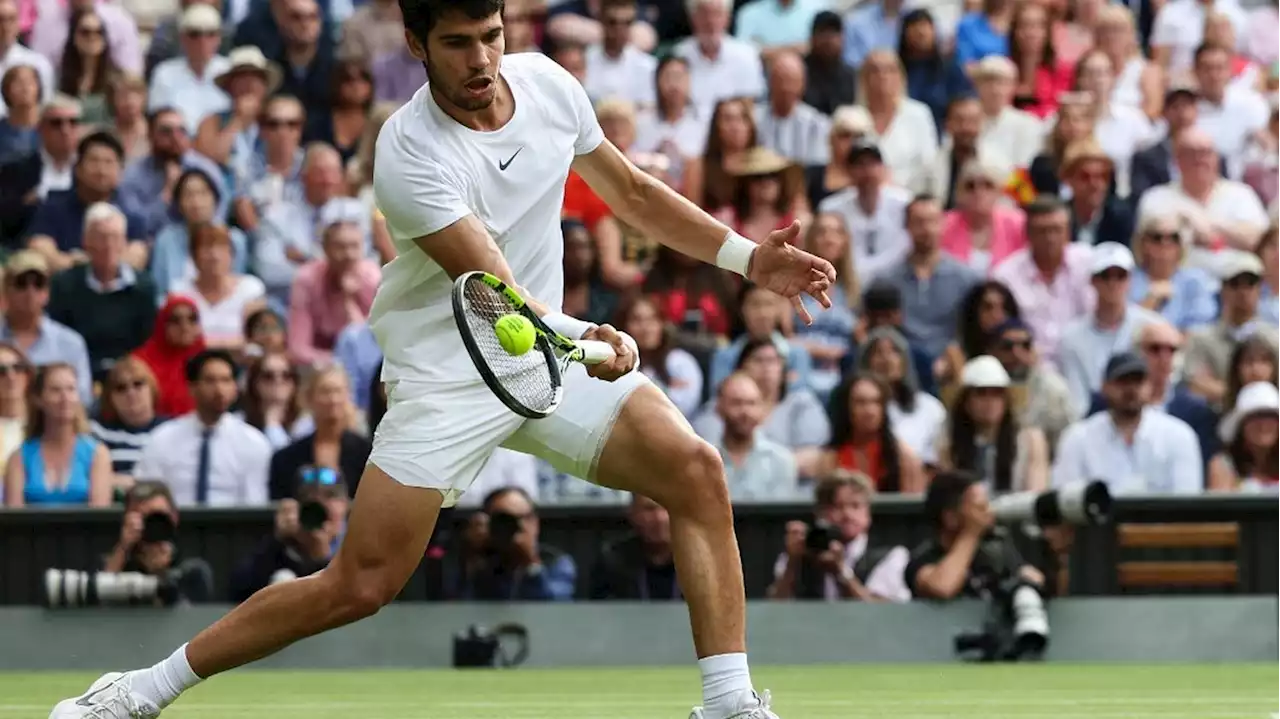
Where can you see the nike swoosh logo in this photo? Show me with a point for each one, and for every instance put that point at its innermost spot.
(502, 166)
(84, 701)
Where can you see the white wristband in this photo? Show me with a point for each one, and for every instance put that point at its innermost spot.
(570, 327)
(735, 253)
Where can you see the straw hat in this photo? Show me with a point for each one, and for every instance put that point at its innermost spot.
(1081, 150)
(763, 162)
(249, 59)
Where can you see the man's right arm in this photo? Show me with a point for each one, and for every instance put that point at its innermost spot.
(945, 579)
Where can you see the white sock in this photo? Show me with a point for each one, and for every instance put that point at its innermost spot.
(163, 682)
(726, 684)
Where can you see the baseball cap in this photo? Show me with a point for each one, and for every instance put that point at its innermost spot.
(827, 21)
(200, 18)
(984, 371)
(1125, 364)
(881, 297)
(864, 148)
(24, 261)
(1107, 255)
(1233, 263)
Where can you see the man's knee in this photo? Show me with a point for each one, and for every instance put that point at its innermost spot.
(699, 485)
(359, 593)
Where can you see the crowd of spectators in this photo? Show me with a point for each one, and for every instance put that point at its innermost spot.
(1054, 223)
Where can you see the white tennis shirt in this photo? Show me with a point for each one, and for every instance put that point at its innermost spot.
(431, 172)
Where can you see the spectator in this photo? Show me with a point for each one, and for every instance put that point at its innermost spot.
(673, 370)
(1179, 30)
(786, 124)
(19, 129)
(149, 505)
(960, 148)
(43, 340)
(777, 26)
(873, 26)
(982, 231)
(917, 417)
(50, 33)
(615, 67)
(1041, 75)
(1162, 283)
(986, 307)
(863, 440)
(756, 468)
(195, 202)
(1121, 130)
(1268, 251)
(147, 188)
(1050, 277)
(1089, 342)
(306, 55)
(357, 352)
(288, 237)
(126, 106)
(1209, 348)
(15, 54)
(359, 177)
(229, 138)
(638, 567)
(585, 294)
(1231, 115)
(374, 30)
(931, 282)
(1139, 82)
(86, 66)
(625, 253)
(1012, 133)
(330, 293)
(1038, 393)
(15, 378)
(830, 337)
(694, 297)
(1253, 360)
(874, 211)
(209, 457)
(720, 66)
(847, 568)
(335, 443)
(175, 340)
(984, 33)
(832, 82)
(272, 402)
(984, 437)
(1131, 447)
(519, 567)
(126, 417)
(224, 298)
(674, 126)
(1261, 166)
(1155, 165)
(882, 307)
(342, 124)
(58, 225)
(264, 333)
(55, 163)
(104, 300)
(273, 175)
(763, 315)
(504, 468)
(572, 56)
(59, 462)
(933, 77)
(849, 125)
(965, 556)
(1251, 460)
(190, 80)
(767, 190)
(902, 128)
(1075, 123)
(296, 548)
(792, 416)
(397, 75)
(166, 40)
(708, 182)
(1096, 215)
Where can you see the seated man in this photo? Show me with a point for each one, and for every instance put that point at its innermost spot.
(1040, 395)
(517, 567)
(146, 544)
(832, 559)
(756, 467)
(1209, 348)
(638, 566)
(24, 323)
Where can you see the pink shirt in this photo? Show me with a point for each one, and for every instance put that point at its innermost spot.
(49, 34)
(318, 310)
(1048, 305)
(1008, 234)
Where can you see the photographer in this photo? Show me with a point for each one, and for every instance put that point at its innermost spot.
(967, 555)
(638, 567)
(517, 567)
(146, 544)
(832, 559)
(307, 532)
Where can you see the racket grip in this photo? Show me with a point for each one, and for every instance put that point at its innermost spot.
(595, 351)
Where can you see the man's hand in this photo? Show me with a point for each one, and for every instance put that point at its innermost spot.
(155, 557)
(524, 549)
(287, 520)
(794, 543)
(624, 360)
(130, 531)
(977, 517)
(246, 107)
(779, 266)
(832, 560)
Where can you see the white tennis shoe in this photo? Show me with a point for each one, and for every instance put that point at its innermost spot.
(760, 710)
(111, 697)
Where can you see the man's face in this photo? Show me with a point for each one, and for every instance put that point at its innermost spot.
(169, 138)
(215, 389)
(98, 169)
(650, 521)
(1112, 286)
(322, 177)
(1196, 156)
(964, 122)
(1240, 293)
(9, 28)
(1181, 112)
(1047, 234)
(1213, 72)
(1089, 180)
(1160, 345)
(1016, 352)
(850, 512)
(27, 293)
(924, 224)
(301, 24)
(741, 407)
(995, 91)
(281, 126)
(462, 57)
(617, 22)
(199, 46)
(709, 20)
(60, 131)
(1127, 395)
(343, 246)
(866, 172)
(786, 83)
(104, 243)
(514, 504)
(827, 44)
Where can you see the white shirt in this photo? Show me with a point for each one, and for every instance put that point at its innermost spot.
(505, 468)
(880, 240)
(628, 76)
(225, 320)
(1230, 203)
(22, 55)
(1233, 123)
(1014, 134)
(800, 136)
(1085, 349)
(920, 428)
(52, 177)
(735, 72)
(239, 461)
(1122, 132)
(1179, 26)
(909, 145)
(1163, 459)
(688, 135)
(431, 172)
(174, 85)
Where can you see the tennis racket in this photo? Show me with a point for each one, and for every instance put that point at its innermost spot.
(528, 384)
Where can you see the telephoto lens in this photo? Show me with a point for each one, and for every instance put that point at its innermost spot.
(1078, 504)
(71, 588)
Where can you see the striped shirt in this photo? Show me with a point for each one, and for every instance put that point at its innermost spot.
(800, 137)
(123, 443)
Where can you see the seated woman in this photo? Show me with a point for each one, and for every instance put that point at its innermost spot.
(15, 381)
(223, 296)
(862, 439)
(176, 339)
(20, 89)
(917, 417)
(1250, 462)
(982, 231)
(126, 416)
(264, 333)
(673, 370)
(695, 298)
(336, 442)
(830, 338)
(351, 87)
(195, 203)
(59, 462)
(1162, 283)
(764, 317)
(984, 437)
(1041, 75)
(707, 180)
(767, 195)
(849, 123)
(1253, 360)
(987, 306)
(271, 401)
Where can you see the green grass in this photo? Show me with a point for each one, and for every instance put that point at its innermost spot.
(1043, 691)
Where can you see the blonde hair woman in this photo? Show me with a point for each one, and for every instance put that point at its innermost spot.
(360, 177)
(15, 381)
(338, 441)
(624, 254)
(849, 123)
(126, 108)
(903, 128)
(1184, 296)
(830, 337)
(126, 416)
(60, 462)
(1139, 83)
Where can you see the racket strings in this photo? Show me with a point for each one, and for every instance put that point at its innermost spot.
(527, 378)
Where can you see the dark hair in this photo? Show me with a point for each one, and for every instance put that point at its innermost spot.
(195, 365)
(11, 76)
(745, 290)
(342, 68)
(901, 391)
(100, 138)
(421, 16)
(842, 428)
(1047, 57)
(1208, 47)
(251, 402)
(717, 184)
(195, 173)
(1249, 345)
(825, 491)
(755, 345)
(1043, 205)
(826, 21)
(501, 492)
(662, 63)
(155, 114)
(655, 359)
(72, 65)
(257, 317)
(958, 100)
(973, 340)
(934, 61)
(964, 449)
(919, 199)
(1242, 458)
(945, 493)
(145, 489)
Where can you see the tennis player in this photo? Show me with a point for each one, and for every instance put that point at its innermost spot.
(470, 175)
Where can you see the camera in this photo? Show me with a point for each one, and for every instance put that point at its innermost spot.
(482, 647)
(158, 527)
(819, 537)
(503, 528)
(190, 580)
(1016, 627)
(312, 515)
(1084, 503)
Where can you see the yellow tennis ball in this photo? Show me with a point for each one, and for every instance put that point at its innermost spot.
(515, 334)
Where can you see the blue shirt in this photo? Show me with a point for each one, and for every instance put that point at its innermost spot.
(285, 225)
(867, 29)
(17, 141)
(1085, 349)
(1268, 304)
(930, 307)
(76, 488)
(798, 361)
(1182, 404)
(57, 342)
(767, 23)
(143, 181)
(1192, 303)
(831, 328)
(935, 84)
(61, 217)
(357, 352)
(976, 39)
(171, 256)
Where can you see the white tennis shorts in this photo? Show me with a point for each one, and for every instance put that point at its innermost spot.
(441, 437)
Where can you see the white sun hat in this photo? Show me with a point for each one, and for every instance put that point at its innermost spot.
(1255, 398)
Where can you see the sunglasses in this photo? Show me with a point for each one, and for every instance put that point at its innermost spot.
(1112, 276)
(199, 34)
(1158, 348)
(171, 130)
(1015, 344)
(60, 122)
(979, 184)
(276, 375)
(89, 31)
(126, 386)
(1163, 237)
(276, 123)
(9, 369)
(323, 476)
(29, 281)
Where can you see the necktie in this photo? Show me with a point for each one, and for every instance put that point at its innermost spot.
(202, 470)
